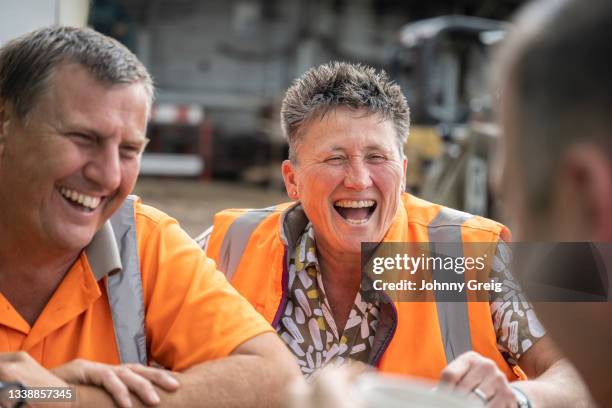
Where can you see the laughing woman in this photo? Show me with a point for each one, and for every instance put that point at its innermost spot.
(299, 263)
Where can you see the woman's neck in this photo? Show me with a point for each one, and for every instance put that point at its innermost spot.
(339, 268)
(341, 277)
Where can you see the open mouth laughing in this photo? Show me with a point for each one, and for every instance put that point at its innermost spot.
(355, 212)
(80, 200)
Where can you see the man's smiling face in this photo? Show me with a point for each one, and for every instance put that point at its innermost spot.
(69, 165)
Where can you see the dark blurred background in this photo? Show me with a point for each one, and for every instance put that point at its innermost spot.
(221, 68)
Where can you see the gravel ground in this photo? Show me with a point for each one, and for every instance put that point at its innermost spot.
(193, 202)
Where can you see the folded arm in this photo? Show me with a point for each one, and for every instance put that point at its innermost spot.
(256, 374)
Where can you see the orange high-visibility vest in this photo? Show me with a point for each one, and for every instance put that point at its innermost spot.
(252, 247)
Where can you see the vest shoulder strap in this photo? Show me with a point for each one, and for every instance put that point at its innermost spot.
(445, 236)
(237, 237)
(124, 289)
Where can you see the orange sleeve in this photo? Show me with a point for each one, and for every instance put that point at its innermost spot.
(192, 313)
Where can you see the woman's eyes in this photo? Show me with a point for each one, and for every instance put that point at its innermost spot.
(376, 158)
(335, 159)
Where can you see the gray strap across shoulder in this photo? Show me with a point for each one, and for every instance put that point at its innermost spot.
(124, 289)
(237, 237)
(445, 238)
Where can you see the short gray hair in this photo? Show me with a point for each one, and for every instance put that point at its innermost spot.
(329, 86)
(28, 62)
(555, 69)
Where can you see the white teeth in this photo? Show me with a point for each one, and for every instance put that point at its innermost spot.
(357, 222)
(354, 203)
(83, 199)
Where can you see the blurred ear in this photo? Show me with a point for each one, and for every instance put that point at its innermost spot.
(4, 124)
(584, 191)
(288, 171)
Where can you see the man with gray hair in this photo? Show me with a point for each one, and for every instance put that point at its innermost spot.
(94, 285)
(555, 175)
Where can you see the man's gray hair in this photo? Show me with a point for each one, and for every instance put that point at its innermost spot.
(28, 62)
(555, 73)
(329, 86)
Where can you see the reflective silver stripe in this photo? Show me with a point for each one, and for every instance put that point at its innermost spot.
(445, 238)
(236, 239)
(204, 237)
(103, 253)
(124, 289)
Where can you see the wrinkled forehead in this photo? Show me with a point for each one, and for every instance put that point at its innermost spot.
(344, 128)
(77, 101)
(68, 74)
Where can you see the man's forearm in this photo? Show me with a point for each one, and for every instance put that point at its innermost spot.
(255, 374)
(559, 386)
(234, 381)
(93, 396)
(238, 380)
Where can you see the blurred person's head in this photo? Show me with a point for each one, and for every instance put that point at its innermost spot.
(346, 125)
(556, 105)
(73, 111)
(555, 80)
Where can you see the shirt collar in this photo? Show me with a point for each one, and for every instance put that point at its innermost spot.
(103, 253)
(306, 250)
(306, 257)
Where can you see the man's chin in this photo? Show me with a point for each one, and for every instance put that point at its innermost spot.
(76, 239)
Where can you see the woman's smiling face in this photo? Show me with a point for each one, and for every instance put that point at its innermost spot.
(348, 175)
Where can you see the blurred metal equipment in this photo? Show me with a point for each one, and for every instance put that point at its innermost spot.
(237, 58)
(445, 57)
(442, 62)
(180, 142)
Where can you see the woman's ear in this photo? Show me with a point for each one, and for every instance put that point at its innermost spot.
(288, 171)
(585, 187)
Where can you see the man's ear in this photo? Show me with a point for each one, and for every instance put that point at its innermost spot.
(585, 187)
(288, 171)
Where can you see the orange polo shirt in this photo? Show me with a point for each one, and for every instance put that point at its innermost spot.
(192, 313)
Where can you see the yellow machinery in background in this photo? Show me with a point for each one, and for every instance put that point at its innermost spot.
(424, 145)
(442, 65)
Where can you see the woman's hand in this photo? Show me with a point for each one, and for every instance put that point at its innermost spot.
(479, 376)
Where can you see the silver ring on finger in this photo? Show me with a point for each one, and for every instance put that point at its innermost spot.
(481, 395)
